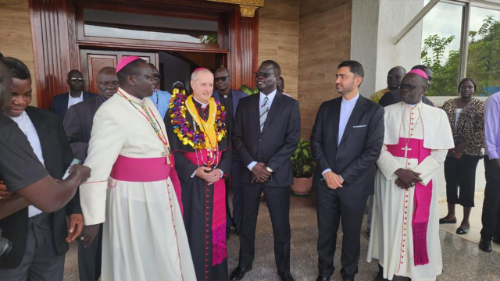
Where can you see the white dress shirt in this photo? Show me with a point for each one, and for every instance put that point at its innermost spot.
(346, 109)
(73, 101)
(25, 124)
(270, 99)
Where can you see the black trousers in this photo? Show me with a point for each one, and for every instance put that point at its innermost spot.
(89, 259)
(461, 173)
(278, 202)
(235, 185)
(491, 205)
(334, 209)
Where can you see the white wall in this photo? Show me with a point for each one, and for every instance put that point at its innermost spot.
(364, 35)
(375, 23)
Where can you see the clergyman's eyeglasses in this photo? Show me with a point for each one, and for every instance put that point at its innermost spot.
(409, 87)
(76, 79)
(223, 79)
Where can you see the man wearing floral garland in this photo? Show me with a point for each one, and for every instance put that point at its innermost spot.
(197, 131)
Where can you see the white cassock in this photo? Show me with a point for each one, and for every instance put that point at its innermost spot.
(144, 236)
(392, 236)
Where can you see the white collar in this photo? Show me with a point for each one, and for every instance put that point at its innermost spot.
(270, 96)
(79, 97)
(203, 105)
(353, 100)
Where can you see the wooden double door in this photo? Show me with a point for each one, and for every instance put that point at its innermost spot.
(94, 60)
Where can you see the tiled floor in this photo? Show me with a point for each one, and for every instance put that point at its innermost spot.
(462, 258)
(474, 220)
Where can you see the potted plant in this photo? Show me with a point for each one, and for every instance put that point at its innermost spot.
(303, 165)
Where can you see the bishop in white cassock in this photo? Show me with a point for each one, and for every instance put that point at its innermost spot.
(132, 187)
(405, 223)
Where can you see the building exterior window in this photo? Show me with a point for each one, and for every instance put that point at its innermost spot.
(462, 39)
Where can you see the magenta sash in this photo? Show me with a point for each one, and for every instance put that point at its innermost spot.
(423, 196)
(218, 228)
(146, 170)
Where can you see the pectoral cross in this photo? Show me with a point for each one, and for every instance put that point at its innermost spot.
(166, 154)
(210, 155)
(406, 150)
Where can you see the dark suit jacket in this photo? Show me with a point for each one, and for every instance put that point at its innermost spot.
(395, 97)
(78, 125)
(354, 158)
(57, 158)
(60, 102)
(275, 144)
(237, 95)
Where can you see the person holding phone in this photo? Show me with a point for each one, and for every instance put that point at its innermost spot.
(40, 239)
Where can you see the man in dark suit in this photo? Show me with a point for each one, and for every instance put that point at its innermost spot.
(62, 102)
(78, 126)
(40, 240)
(230, 99)
(395, 95)
(346, 142)
(266, 133)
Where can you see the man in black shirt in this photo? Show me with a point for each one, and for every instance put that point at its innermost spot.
(35, 187)
(230, 99)
(394, 97)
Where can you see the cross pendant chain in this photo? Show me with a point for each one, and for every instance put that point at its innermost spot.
(166, 154)
(406, 148)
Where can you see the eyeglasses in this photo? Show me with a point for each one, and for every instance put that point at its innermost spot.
(76, 79)
(409, 87)
(394, 76)
(223, 79)
(263, 74)
(148, 77)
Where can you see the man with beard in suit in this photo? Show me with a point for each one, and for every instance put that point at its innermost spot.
(266, 133)
(346, 142)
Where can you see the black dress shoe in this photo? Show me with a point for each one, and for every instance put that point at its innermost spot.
(286, 277)
(239, 273)
(350, 278)
(485, 245)
(322, 278)
(380, 274)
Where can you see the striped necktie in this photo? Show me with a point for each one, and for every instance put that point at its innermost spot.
(264, 109)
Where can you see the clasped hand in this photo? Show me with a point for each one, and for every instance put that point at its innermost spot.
(260, 173)
(209, 175)
(333, 180)
(407, 178)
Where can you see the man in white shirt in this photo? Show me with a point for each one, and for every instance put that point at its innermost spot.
(75, 95)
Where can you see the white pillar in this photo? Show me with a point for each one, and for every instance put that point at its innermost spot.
(375, 23)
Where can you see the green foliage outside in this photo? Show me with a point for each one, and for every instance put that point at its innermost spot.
(245, 89)
(208, 39)
(483, 62)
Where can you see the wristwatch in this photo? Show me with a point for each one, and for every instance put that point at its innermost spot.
(269, 169)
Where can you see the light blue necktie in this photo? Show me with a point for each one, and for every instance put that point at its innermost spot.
(264, 109)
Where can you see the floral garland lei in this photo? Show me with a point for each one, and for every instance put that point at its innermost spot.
(184, 130)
